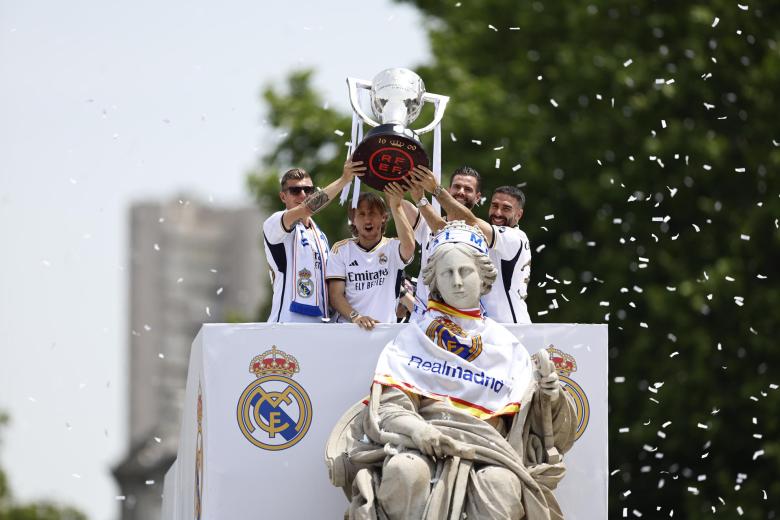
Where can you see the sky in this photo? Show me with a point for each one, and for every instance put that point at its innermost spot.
(103, 103)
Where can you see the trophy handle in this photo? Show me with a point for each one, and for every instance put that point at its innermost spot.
(438, 115)
(353, 84)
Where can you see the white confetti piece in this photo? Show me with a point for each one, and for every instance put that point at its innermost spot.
(120, 497)
(161, 355)
(208, 311)
(715, 22)
(663, 123)
(739, 170)
(624, 430)
(516, 167)
(179, 280)
(620, 379)
(219, 291)
(628, 62)
(514, 28)
(454, 139)
(553, 139)
(158, 440)
(693, 490)
(744, 7)
(147, 328)
(553, 103)
(643, 324)
(758, 454)
(156, 247)
(477, 142)
(728, 278)
(149, 482)
(498, 163)
(339, 133)
(539, 249)
(549, 217)
(702, 426)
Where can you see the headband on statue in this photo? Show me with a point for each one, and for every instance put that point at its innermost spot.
(458, 232)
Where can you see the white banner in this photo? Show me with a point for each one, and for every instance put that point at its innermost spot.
(270, 394)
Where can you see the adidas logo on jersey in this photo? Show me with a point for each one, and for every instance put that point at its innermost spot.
(354, 263)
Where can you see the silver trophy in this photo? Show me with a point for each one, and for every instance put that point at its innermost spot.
(391, 149)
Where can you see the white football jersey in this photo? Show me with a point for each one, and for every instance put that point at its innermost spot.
(279, 250)
(372, 278)
(511, 254)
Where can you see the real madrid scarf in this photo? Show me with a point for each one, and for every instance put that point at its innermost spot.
(309, 296)
(475, 364)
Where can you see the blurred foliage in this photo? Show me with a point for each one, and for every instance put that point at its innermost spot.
(645, 136)
(36, 511)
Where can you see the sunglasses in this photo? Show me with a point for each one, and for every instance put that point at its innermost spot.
(297, 190)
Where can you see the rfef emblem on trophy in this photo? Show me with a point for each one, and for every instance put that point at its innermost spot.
(391, 149)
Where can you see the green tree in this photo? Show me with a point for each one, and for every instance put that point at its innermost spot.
(35, 511)
(645, 136)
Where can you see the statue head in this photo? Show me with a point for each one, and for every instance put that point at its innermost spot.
(459, 270)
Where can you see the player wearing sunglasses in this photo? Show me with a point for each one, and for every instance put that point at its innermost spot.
(296, 249)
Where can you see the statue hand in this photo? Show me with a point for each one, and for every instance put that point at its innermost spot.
(433, 443)
(550, 385)
(547, 375)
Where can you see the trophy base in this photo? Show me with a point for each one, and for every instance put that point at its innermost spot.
(389, 152)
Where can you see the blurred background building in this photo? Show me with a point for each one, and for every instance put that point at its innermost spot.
(190, 263)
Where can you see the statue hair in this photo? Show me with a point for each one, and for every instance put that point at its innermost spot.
(487, 271)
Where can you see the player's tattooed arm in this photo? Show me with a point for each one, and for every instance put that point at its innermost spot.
(316, 201)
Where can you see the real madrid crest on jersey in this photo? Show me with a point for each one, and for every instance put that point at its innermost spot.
(305, 283)
(565, 364)
(274, 411)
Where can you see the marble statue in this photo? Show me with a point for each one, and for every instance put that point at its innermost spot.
(461, 422)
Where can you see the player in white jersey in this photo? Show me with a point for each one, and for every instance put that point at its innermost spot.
(509, 248)
(364, 272)
(295, 248)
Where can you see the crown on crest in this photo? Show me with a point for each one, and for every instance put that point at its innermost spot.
(304, 273)
(564, 363)
(458, 232)
(274, 361)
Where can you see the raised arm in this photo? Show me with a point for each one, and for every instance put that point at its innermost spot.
(433, 219)
(423, 177)
(321, 198)
(395, 195)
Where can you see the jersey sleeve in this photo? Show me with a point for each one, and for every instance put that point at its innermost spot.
(395, 250)
(524, 263)
(508, 241)
(336, 268)
(273, 228)
(421, 230)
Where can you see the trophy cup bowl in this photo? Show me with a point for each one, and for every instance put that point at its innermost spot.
(391, 149)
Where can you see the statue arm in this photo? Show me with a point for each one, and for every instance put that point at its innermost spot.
(398, 414)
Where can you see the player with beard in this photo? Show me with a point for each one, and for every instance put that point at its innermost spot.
(509, 248)
(364, 273)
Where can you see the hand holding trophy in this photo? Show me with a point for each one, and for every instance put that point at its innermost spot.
(392, 149)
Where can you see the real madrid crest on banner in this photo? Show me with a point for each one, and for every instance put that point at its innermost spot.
(274, 412)
(565, 364)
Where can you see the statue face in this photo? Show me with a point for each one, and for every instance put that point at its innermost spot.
(458, 280)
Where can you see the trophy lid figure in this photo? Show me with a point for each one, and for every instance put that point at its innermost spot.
(459, 420)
